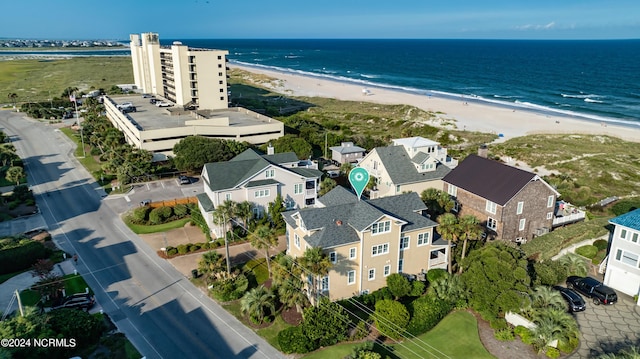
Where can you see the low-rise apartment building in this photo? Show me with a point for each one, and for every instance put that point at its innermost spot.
(623, 263)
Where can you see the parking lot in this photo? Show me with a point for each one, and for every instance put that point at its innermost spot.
(608, 328)
(161, 190)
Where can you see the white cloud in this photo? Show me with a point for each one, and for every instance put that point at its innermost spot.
(548, 26)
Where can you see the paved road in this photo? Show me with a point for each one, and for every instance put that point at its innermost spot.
(160, 311)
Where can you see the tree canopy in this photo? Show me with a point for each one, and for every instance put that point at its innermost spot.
(193, 152)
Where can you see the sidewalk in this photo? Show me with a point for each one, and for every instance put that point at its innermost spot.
(25, 280)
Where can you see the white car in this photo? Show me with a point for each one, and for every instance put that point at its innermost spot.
(125, 105)
(163, 104)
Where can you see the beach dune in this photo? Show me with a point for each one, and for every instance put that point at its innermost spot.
(467, 113)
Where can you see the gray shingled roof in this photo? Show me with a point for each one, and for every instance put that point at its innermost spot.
(263, 182)
(225, 175)
(205, 202)
(338, 195)
(629, 219)
(401, 169)
(347, 149)
(489, 179)
(339, 224)
(419, 157)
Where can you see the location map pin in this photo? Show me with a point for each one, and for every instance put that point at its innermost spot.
(359, 177)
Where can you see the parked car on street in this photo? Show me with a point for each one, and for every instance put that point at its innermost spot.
(128, 109)
(124, 105)
(78, 301)
(183, 180)
(163, 104)
(593, 288)
(573, 299)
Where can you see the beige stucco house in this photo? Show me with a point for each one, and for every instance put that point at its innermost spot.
(366, 240)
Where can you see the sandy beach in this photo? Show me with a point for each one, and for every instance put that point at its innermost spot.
(468, 114)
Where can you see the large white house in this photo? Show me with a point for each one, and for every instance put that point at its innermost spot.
(259, 179)
(623, 264)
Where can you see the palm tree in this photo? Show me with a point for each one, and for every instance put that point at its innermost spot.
(445, 201)
(448, 288)
(574, 264)
(291, 293)
(211, 262)
(244, 210)
(256, 302)
(554, 323)
(544, 297)
(317, 264)
(15, 174)
(546, 331)
(346, 168)
(285, 268)
(264, 237)
(223, 214)
(470, 229)
(449, 230)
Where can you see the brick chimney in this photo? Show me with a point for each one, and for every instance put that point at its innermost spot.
(483, 151)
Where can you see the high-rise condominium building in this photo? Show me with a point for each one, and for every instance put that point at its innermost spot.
(183, 75)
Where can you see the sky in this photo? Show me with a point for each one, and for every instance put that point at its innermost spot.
(327, 19)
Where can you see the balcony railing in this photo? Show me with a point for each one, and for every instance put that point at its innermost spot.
(571, 218)
(438, 262)
(310, 193)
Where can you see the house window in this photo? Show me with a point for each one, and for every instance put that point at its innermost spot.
(372, 274)
(333, 256)
(549, 215)
(296, 240)
(381, 227)
(404, 241)
(520, 207)
(387, 270)
(270, 173)
(623, 234)
(491, 207)
(261, 193)
(423, 238)
(324, 284)
(351, 277)
(523, 221)
(227, 196)
(452, 190)
(549, 201)
(627, 258)
(257, 212)
(352, 253)
(380, 249)
(400, 264)
(397, 188)
(297, 188)
(491, 223)
(634, 238)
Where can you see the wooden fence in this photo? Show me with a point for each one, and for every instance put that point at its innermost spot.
(173, 202)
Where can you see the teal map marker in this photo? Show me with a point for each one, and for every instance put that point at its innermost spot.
(359, 177)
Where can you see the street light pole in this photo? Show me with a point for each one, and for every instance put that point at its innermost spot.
(75, 102)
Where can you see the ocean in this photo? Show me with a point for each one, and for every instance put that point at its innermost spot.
(595, 80)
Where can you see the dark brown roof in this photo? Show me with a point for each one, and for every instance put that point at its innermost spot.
(489, 179)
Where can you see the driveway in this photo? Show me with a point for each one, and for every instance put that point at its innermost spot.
(608, 329)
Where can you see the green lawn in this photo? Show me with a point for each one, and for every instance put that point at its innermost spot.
(270, 333)
(74, 283)
(29, 298)
(144, 229)
(87, 161)
(456, 336)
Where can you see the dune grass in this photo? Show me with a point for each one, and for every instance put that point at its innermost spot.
(39, 80)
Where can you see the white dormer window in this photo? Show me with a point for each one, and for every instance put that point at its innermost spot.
(381, 227)
(270, 173)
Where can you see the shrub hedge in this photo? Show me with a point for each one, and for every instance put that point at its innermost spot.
(588, 251)
(22, 256)
(601, 244)
(291, 340)
(426, 312)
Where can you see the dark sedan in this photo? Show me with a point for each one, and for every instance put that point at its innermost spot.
(573, 299)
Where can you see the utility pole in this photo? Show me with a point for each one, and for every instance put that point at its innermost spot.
(19, 303)
(325, 144)
(226, 244)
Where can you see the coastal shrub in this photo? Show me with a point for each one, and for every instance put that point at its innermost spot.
(417, 288)
(398, 285)
(180, 210)
(139, 215)
(504, 335)
(625, 206)
(588, 251)
(229, 289)
(601, 244)
(552, 353)
(435, 274)
(548, 273)
(521, 330)
(21, 255)
(568, 346)
(194, 247)
(498, 323)
(391, 318)
(182, 249)
(172, 251)
(372, 298)
(426, 312)
(291, 340)
(325, 324)
(361, 331)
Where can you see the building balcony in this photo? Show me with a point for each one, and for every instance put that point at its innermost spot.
(310, 193)
(439, 262)
(566, 213)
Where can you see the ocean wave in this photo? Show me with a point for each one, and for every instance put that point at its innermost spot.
(592, 100)
(370, 76)
(291, 56)
(581, 95)
(517, 104)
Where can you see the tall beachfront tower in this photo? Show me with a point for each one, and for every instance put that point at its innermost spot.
(183, 75)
